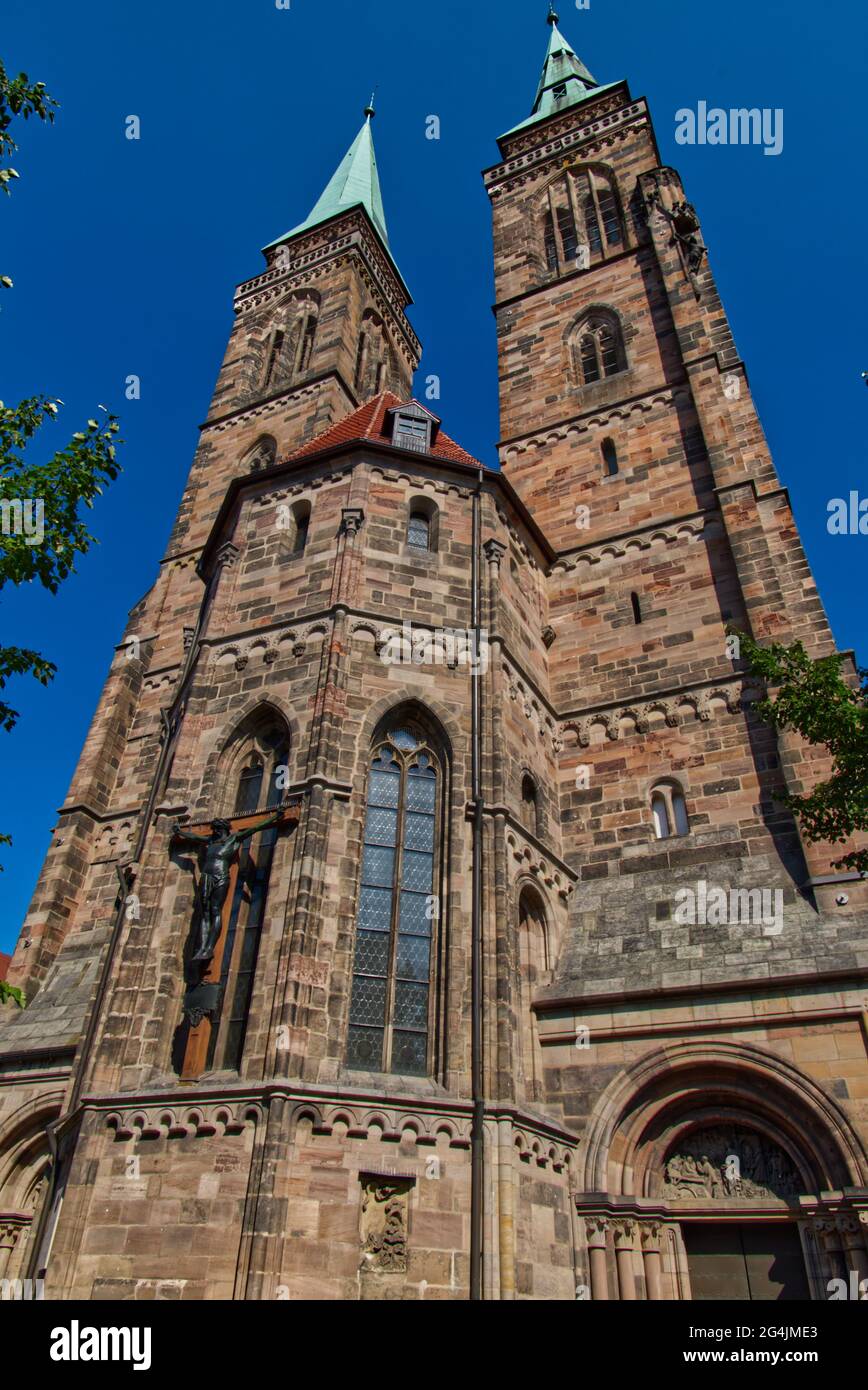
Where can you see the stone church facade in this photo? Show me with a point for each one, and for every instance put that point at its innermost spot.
(458, 1035)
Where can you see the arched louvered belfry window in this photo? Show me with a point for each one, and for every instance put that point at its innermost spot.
(582, 221)
(391, 1003)
(600, 348)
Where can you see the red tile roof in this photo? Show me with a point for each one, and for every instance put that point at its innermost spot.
(368, 424)
(5, 962)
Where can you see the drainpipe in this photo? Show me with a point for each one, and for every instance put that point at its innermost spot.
(52, 1203)
(477, 1132)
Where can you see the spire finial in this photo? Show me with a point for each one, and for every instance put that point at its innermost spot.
(553, 15)
(369, 109)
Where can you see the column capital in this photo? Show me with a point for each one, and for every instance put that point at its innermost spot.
(494, 551)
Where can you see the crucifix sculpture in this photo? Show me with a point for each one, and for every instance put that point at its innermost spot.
(221, 846)
(206, 967)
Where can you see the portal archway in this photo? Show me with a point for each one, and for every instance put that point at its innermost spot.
(723, 1169)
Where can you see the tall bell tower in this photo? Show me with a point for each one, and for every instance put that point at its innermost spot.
(627, 417)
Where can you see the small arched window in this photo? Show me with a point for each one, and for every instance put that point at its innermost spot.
(422, 525)
(669, 811)
(637, 608)
(299, 528)
(610, 457)
(262, 455)
(529, 804)
(391, 1000)
(600, 348)
(419, 531)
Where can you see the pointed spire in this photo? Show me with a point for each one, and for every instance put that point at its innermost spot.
(565, 80)
(355, 183)
(562, 69)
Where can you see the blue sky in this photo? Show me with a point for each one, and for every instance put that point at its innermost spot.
(125, 254)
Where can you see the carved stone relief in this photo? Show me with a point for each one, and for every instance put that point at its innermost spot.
(729, 1162)
(384, 1223)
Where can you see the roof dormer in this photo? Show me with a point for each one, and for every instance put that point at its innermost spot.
(412, 426)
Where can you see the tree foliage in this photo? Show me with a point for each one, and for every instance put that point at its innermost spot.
(811, 697)
(11, 992)
(71, 477)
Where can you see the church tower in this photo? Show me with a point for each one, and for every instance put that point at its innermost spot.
(421, 921)
(675, 997)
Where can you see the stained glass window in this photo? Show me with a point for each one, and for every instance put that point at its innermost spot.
(391, 991)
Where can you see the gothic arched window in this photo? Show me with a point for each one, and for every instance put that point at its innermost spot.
(391, 1001)
(669, 810)
(262, 455)
(292, 342)
(583, 200)
(600, 348)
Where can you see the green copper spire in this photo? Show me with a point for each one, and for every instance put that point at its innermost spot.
(355, 183)
(565, 80)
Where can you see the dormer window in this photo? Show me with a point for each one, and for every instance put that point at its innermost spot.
(413, 427)
(418, 431)
(560, 91)
(412, 432)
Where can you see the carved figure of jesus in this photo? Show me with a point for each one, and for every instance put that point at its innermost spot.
(220, 848)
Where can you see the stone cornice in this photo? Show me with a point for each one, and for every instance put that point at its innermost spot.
(553, 996)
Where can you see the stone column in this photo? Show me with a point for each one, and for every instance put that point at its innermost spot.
(625, 1244)
(596, 1231)
(829, 1242)
(853, 1242)
(650, 1233)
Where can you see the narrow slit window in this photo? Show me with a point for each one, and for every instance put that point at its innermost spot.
(610, 457)
(637, 608)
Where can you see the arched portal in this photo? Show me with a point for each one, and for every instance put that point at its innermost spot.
(722, 1170)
